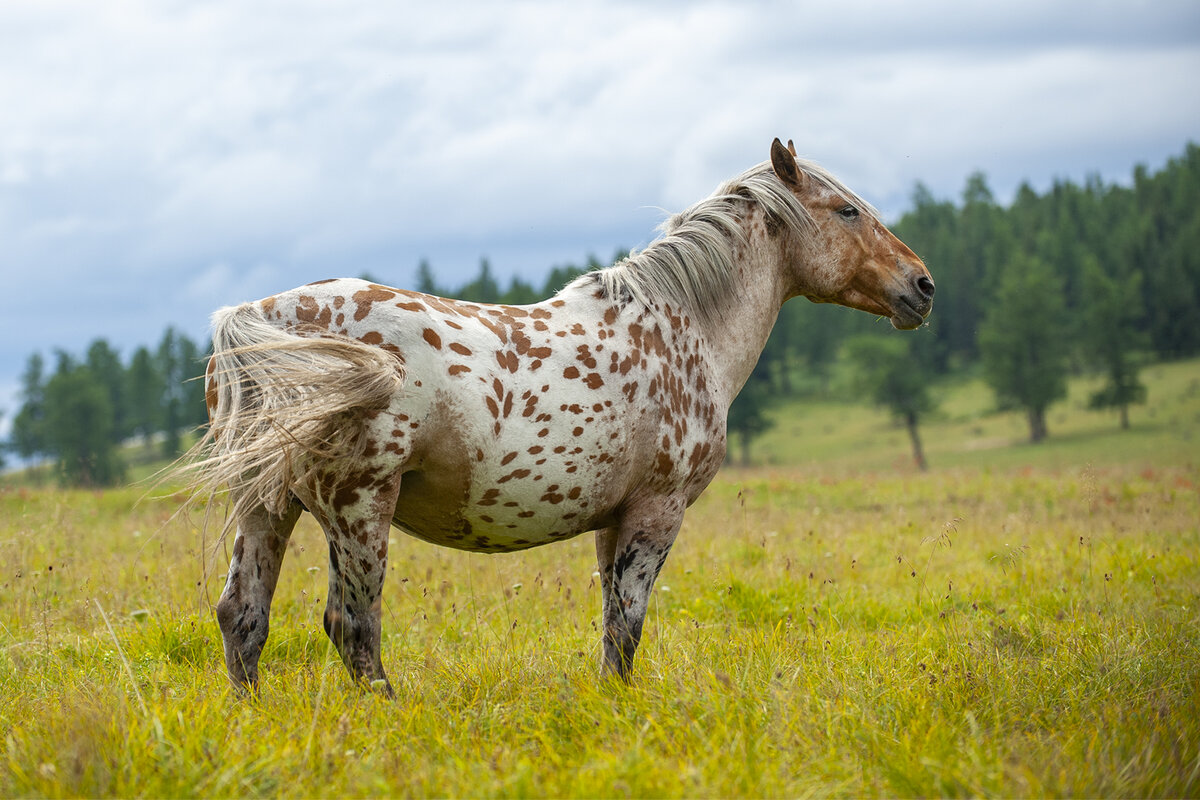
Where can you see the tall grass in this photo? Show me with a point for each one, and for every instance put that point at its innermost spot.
(967, 632)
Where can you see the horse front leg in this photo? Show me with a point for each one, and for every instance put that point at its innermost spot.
(629, 557)
(606, 549)
(358, 545)
(244, 609)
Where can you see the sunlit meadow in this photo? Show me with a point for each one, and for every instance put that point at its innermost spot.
(1007, 631)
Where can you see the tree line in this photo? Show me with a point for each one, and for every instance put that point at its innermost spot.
(1094, 277)
(81, 412)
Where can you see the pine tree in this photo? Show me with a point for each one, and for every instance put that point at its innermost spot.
(178, 362)
(748, 414)
(559, 277)
(519, 293)
(893, 376)
(1022, 341)
(484, 288)
(28, 429)
(1111, 310)
(79, 427)
(425, 280)
(195, 407)
(144, 392)
(931, 230)
(105, 366)
(985, 243)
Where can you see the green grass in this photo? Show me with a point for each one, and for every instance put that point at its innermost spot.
(966, 431)
(1021, 621)
(957, 633)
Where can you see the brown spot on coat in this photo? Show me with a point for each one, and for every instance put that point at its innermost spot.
(508, 360)
(374, 293)
(307, 309)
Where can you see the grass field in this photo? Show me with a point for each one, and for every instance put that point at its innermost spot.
(965, 431)
(1018, 621)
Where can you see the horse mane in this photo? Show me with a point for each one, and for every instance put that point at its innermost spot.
(691, 265)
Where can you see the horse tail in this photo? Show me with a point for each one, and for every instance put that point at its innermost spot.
(284, 406)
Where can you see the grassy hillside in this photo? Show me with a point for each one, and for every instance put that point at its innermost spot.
(966, 431)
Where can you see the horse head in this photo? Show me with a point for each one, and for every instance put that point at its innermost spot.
(849, 257)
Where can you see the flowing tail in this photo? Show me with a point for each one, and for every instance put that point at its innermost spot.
(282, 408)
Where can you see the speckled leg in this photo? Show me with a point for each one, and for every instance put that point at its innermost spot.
(244, 609)
(358, 543)
(630, 557)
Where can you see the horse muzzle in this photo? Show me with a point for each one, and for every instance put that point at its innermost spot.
(912, 304)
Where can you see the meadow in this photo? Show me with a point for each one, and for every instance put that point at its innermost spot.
(1019, 621)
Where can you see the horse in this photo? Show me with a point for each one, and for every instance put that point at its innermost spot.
(495, 428)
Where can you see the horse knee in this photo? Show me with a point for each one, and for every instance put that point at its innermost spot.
(242, 622)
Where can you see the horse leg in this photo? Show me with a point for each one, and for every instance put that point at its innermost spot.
(630, 557)
(358, 542)
(244, 609)
(606, 549)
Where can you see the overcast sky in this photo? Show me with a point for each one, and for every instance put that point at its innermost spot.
(160, 159)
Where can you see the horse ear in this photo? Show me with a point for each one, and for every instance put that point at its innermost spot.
(784, 164)
(792, 148)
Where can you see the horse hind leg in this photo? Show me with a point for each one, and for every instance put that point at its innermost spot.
(357, 530)
(244, 608)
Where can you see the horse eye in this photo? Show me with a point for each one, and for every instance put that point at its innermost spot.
(849, 212)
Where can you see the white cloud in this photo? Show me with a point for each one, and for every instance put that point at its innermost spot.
(145, 145)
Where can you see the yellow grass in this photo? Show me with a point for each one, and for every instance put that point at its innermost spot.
(972, 631)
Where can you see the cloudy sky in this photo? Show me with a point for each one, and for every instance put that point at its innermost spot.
(160, 159)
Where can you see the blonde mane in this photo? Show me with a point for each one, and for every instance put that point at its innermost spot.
(691, 264)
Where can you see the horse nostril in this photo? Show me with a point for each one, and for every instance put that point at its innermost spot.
(925, 287)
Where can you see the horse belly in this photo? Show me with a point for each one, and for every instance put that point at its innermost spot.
(502, 507)
(497, 522)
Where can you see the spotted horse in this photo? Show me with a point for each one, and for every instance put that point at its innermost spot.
(496, 428)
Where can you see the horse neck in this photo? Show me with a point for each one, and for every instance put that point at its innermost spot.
(737, 337)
